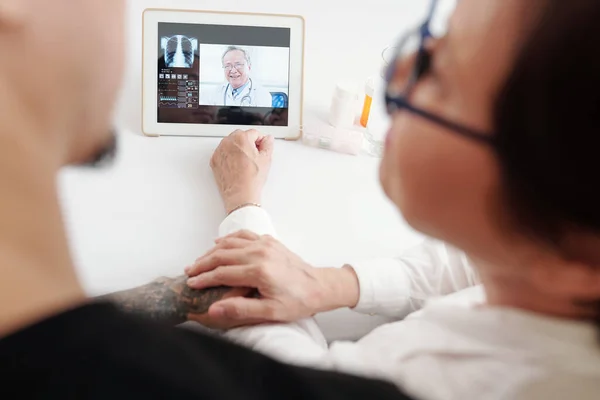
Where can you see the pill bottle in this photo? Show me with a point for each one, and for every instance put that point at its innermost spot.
(366, 111)
(342, 113)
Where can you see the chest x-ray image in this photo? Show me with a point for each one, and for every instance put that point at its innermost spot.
(179, 51)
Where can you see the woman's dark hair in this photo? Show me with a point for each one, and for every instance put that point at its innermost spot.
(547, 121)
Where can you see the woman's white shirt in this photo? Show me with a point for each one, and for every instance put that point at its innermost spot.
(447, 343)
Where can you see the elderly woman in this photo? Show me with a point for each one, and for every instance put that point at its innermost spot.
(492, 151)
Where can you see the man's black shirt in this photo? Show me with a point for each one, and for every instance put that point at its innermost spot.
(97, 352)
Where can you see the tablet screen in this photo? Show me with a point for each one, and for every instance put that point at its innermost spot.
(222, 74)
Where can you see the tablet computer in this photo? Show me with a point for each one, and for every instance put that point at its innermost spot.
(208, 73)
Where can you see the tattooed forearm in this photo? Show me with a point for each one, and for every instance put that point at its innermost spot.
(167, 300)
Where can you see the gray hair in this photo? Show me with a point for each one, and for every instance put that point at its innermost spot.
(234, 48)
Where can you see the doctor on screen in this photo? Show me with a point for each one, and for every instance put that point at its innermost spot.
(240, 89)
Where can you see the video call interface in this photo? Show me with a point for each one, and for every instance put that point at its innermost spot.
(222, 74)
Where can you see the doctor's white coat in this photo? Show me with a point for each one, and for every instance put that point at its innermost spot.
(258, 95)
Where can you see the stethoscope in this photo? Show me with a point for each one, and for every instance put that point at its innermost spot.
(246, 98)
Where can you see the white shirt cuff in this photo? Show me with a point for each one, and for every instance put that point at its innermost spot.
(250, 218)
(384, 287)
(299, 343)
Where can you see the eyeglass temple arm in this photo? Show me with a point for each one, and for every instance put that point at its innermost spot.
(425, 30)
(432, 7)
(401, 103)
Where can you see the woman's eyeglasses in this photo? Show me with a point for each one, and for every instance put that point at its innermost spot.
(396, 98)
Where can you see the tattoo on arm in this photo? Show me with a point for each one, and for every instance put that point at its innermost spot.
(168, 300)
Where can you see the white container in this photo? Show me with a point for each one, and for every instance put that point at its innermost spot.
(344, 103)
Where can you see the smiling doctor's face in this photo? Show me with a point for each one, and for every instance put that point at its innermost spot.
(236, 67)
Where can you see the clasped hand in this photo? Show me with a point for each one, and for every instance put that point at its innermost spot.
(285, 287)
(289, 289)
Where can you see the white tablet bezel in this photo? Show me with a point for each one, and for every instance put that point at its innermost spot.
(151, 18)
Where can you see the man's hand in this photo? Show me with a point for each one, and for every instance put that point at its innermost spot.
(241, 165)
(289, 289)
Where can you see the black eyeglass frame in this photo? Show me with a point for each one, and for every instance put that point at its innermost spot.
(395, 102)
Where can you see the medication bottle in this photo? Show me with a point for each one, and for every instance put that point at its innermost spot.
(343, 106)
(366, 111)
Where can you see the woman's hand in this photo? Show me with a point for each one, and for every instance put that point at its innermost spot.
(241, 165)
(288, 288)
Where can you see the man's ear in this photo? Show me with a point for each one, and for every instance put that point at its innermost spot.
(564, 278)
(13, 14)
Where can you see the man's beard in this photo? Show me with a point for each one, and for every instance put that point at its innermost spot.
(105, 155)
